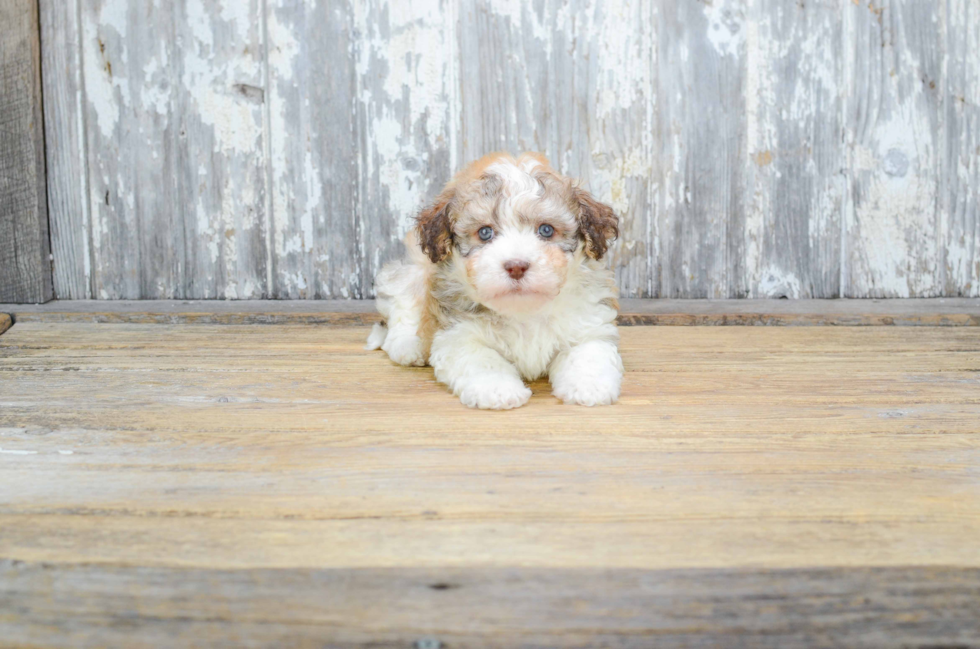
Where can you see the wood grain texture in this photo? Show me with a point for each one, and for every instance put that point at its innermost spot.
(407, 70)
(174, 100)
(894, 74)
(515, 607)
(793, 189)
(752, 149)
(314, 156)
(948, 312)
(701, 85)
(961, 175)
(220, 160)
(131, 79)
(25, 267)
(787, 484)
(65, 146)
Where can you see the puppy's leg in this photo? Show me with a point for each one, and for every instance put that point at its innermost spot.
(589, 374)
(477, 374)
(401, 293)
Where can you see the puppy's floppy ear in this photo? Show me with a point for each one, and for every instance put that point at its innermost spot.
(598, 225)
(435, 229)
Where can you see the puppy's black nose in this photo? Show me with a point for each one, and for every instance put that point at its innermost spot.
(516, 268)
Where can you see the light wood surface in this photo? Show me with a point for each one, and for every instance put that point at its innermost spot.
(191, 478)
(25, 265)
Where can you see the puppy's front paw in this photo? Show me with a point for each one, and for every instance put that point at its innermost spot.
(494, 393)
(598, 389)
(405, 350)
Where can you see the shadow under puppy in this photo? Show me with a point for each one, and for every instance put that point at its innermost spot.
(502, 283)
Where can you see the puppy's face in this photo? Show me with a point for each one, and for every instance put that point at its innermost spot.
(512, 228)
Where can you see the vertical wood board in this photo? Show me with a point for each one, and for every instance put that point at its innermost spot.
(25, 267)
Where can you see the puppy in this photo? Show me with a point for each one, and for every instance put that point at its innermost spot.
(502, 284)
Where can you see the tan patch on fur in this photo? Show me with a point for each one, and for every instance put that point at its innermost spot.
(610, 302)
(557, 259)
(429, 320)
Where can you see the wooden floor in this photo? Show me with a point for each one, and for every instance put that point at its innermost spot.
(190, 485)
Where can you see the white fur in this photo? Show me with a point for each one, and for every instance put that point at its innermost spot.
(555, 321)
(494, 287)
(589, 374)
(401, 291)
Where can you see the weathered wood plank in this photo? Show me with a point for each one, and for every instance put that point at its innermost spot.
(894, 79)
(793, 190)
(277, 485)
(132, 80)
(702, 142)
(25, 266)
(238, 153)
(314, 150)
(220, 155)
(408, 119)
(67, 160)
(908, 312)
(576, 82)
(292, 447)
(176, 155)
(85, 605)
(961, 176)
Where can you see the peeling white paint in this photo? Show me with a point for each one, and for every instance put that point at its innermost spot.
(610, 181)
(404, 67)
(779, 283)
(106, 89)
(725, 26)
(210, 81)
(166, 95)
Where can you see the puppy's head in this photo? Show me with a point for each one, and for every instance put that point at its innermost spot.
(512, 228)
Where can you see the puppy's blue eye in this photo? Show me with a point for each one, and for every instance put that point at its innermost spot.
(486, 233)
(546, 230)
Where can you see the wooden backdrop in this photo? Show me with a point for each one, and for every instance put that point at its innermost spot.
(280, 148)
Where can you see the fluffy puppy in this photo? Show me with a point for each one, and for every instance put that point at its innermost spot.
(502, 284)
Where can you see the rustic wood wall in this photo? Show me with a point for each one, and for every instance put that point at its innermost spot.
(280, 148)
(25, 254)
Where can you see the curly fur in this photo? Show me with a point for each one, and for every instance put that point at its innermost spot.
(453, 304)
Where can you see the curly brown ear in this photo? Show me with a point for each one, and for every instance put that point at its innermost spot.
(435, 230)
(598, 225)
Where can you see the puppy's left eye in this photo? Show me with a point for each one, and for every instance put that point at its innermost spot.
(485, 233)
(546, 231)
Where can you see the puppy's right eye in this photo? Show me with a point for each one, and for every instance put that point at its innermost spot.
(485, 233)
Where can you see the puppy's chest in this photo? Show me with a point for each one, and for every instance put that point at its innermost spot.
(530, 347)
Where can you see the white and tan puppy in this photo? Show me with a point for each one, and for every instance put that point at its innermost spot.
(503, 284)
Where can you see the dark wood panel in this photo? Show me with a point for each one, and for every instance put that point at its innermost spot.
(25, 267)
(907, 312)
(90, 605)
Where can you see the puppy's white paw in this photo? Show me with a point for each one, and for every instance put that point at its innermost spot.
(377, 337)
(404, 350)
(598, 389)
(588, 375)
(494, 393)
